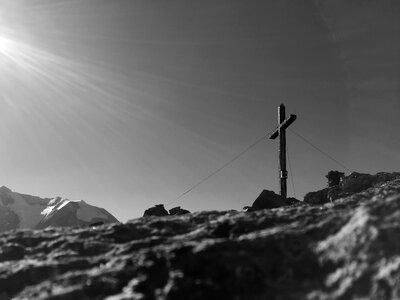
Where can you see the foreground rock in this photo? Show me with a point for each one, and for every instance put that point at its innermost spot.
(349, 249)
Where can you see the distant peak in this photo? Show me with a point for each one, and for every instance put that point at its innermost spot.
(3, 188)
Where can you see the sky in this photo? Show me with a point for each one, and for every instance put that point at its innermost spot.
(127, 104)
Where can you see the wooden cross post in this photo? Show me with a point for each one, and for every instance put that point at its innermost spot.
(280, 131)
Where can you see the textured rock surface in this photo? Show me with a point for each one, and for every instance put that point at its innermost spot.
(348, 249)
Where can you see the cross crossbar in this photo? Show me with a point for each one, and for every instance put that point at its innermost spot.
(283, 126)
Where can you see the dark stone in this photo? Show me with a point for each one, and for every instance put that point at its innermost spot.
(178, 211)
(268, 199)
(157, 210)
(334, 178)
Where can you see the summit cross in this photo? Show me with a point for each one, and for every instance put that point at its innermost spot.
(280, 131)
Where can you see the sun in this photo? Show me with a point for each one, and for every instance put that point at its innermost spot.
(8, 50)
(4, 45)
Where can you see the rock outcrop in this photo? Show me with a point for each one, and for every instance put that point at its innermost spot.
(334, 178)
(348, 249)
(178, 211)
(268, 199)
(157, 210)
(354, 183)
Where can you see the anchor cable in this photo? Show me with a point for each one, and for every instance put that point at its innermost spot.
(255, 143)
(318, 149)
(220, 168)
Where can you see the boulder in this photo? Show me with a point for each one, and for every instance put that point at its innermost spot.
(334, 178)
(156, 210)
(268, 199)
(178, 211)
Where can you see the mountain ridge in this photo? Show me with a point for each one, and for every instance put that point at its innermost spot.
(23, 211)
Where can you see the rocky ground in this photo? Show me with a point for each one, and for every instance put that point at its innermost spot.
(345, 249)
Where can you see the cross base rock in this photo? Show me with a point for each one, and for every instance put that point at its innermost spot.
(268, 199)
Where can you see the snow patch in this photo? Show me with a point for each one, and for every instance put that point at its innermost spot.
(54, 205)
(65, 202)
(48, 210)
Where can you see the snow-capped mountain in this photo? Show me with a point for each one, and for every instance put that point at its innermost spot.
(25, 211)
